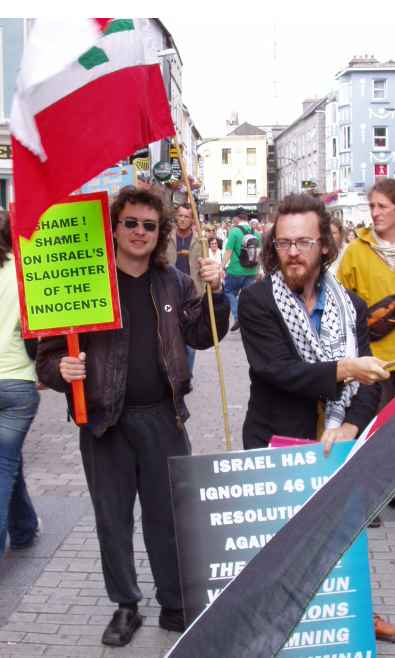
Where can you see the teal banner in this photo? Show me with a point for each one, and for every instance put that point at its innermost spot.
(229, 506)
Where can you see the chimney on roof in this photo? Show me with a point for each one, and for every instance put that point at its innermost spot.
(307, 103)
(363, 60)
(232, 122)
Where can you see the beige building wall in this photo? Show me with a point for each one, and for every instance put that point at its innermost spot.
(235, 169)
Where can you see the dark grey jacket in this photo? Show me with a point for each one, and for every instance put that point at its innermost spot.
(285, 389)
(187, 323)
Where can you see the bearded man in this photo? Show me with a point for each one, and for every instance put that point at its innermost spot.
(306, 337)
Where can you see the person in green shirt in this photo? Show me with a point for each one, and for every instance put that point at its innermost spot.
(238, 276)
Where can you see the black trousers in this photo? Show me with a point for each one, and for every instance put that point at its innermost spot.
(131, 458)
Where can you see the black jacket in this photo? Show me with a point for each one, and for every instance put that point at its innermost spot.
(107, 351)
(285, 390)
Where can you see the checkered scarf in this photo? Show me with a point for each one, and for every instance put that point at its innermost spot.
(337, 339)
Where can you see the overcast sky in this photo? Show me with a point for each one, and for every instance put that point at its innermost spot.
(228, 54)
(241, 64)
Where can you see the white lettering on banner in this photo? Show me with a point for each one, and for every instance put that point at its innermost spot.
(213, 594)
(298, 458)
(318, 638)
(242, 543)
(243, 464)
(326, 611)
(349, 654)
(282, 513)
(318, 482)
(334, 585)
(238, 490)
(225, 570)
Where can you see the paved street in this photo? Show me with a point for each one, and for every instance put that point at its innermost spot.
(52, 597)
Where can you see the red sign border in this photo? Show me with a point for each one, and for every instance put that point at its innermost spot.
(62, 331)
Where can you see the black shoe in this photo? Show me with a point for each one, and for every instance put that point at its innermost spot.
(236, 326)
(391, 503)
(122, 626)
(172, 620)
(375, 523)
(34, 538)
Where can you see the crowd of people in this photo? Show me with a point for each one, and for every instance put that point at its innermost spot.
(316, 317)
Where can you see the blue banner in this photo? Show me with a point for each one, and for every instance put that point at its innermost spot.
(229, 506)
(111, 180)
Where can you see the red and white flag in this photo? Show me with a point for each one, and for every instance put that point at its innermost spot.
(87, 96)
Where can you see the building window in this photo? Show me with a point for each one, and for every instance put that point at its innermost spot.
(345, 178)
(226, 155)
(334, 147)
(380, 170)
(346, 138)
(251, 187)
(334, 181)
(227, 188)
(251, 156)
(3, 192)
(379, 89)
(380, 137)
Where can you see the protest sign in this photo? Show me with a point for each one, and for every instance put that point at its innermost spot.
(66, 271)
(67, 277)
(229, 506)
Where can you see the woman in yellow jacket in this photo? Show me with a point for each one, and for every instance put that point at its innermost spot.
(368, 268)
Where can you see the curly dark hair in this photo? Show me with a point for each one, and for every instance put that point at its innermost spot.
(133, 196)
(294, 204)
(384, 186)
(5, 237)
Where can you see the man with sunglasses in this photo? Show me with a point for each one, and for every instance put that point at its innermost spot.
(306, 337)
(135, 380)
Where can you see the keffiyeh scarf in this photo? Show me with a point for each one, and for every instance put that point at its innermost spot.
(337, 339)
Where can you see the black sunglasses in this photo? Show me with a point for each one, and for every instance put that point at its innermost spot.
(133, 223)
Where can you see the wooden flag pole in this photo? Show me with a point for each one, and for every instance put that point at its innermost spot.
(79, 402)
(204, 243)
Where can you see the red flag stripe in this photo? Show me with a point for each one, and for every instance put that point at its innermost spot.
(102, 22)
(86, 132)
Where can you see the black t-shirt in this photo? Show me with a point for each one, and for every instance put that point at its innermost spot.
(147, 382)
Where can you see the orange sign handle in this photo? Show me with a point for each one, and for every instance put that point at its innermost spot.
(79, 402)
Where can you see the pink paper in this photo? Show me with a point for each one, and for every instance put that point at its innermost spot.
(284, 441)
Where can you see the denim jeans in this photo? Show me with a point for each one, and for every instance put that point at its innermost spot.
(232, 288)
(19, 402)
(191, 355)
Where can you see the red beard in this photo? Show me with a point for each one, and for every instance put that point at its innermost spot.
(295, 280)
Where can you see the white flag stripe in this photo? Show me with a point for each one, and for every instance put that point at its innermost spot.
(53, 44)
(123, 49)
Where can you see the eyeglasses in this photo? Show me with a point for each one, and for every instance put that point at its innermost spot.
(302, 244)
(132, 223)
